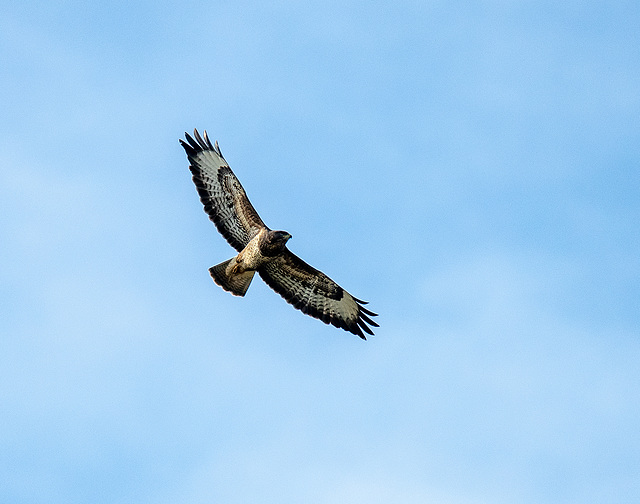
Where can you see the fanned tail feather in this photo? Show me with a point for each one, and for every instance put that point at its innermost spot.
(236, 283)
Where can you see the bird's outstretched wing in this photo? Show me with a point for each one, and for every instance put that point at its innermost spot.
(315, 294)
(220, 191)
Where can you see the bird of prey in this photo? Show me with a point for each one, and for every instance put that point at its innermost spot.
(263, 250)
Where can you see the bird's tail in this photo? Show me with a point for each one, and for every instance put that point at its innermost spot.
(236, 283)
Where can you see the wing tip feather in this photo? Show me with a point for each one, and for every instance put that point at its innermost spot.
(196, 143)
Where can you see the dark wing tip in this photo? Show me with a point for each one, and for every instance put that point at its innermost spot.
(190, 146)
(356, 326)
(197, 143)
(364, 318)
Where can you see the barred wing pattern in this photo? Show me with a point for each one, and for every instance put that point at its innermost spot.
(315, 294)
(221, 193)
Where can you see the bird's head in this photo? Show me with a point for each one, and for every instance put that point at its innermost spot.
(279, 237)
(273, 242)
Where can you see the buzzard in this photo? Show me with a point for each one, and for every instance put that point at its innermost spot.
(263, 250)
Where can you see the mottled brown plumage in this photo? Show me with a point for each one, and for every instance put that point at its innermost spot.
(263, 250)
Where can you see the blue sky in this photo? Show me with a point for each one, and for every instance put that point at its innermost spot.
(470, 168)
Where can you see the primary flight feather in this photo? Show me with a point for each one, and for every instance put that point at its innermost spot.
(263, 250)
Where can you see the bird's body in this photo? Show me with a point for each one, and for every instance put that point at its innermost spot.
(263, 250)
(236, 274)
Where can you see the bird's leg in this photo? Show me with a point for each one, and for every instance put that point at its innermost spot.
(237, 267)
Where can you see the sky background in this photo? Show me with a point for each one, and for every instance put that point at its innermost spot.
(470, 168)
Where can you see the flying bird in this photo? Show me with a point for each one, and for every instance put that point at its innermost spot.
(264, 250)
